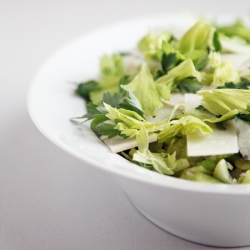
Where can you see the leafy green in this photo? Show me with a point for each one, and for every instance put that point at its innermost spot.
(129, 121)
(97, 95)
(142, 139)
(216, 41)
(219, 72)
(111, 65)
(224, 73)
(147, 91)
(196, 42)
(124, 81)
(182, 71)
(85, 88)
(209, 117)
(132, 99)
(130, 102)
(188, 85)
(157, 160)
(150, 44)
(109, 130)
(161, 162)
(209, 164)
(92, 110)
(185, 125)
(202, 63)
(111, 74)
(237, 29)
(168, 61)
(221, 172)
(113, 101)
(244, 117)
(243, 84)
(194, 175)
(222, 101)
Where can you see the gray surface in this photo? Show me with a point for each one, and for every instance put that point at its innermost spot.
(49, 200)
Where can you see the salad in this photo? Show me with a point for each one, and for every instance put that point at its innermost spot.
(178, 106)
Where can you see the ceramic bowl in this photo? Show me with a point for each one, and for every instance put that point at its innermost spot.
(215, 215)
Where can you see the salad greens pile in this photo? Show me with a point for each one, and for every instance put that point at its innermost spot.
(132, 104)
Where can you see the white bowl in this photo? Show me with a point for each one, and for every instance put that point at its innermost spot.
(215, 215)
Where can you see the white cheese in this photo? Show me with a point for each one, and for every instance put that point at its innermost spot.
(238, 60)
(243, 131)
(118, 144)
(175, 98)
(233, 47)
(160, 114)
(220, 142)
(192, 101)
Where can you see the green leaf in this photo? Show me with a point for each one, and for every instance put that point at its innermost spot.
(174, 76)
(197, 42)
(113, 101)
(199, 37)
(188, 85)
(220, 126)
(167, 61)
(111, 65)
(97, 95)
(158, 74)
(150, 45)
(223, 73)
(124, 81)
(145, 89)
(244, 117)
(92, 110)
(202, 63)
(124, 53)
(132, 99)
(237, 29)
(208, 164)
(157, 160)
(111, 73)
(85, 88)
(216, 41)
(109, 130)
(131, 122)
(200, 107)
(206, 116)
(98, 119)
(222, 101)
(142, 139)
(144, 165)
(243, 84)
(169, 48)
(132, 108)
(185, 125)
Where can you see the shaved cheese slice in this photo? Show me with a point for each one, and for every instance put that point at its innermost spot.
(220, 142)
(192, 101)
(243, 131)
(118, 144)
(160, 114)
(234, 47)
(245, 68)
(175, 98)
(238, 60)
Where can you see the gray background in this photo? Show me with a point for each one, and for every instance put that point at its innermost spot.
(50, 200)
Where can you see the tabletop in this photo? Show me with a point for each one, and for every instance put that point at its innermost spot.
(49, 199)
